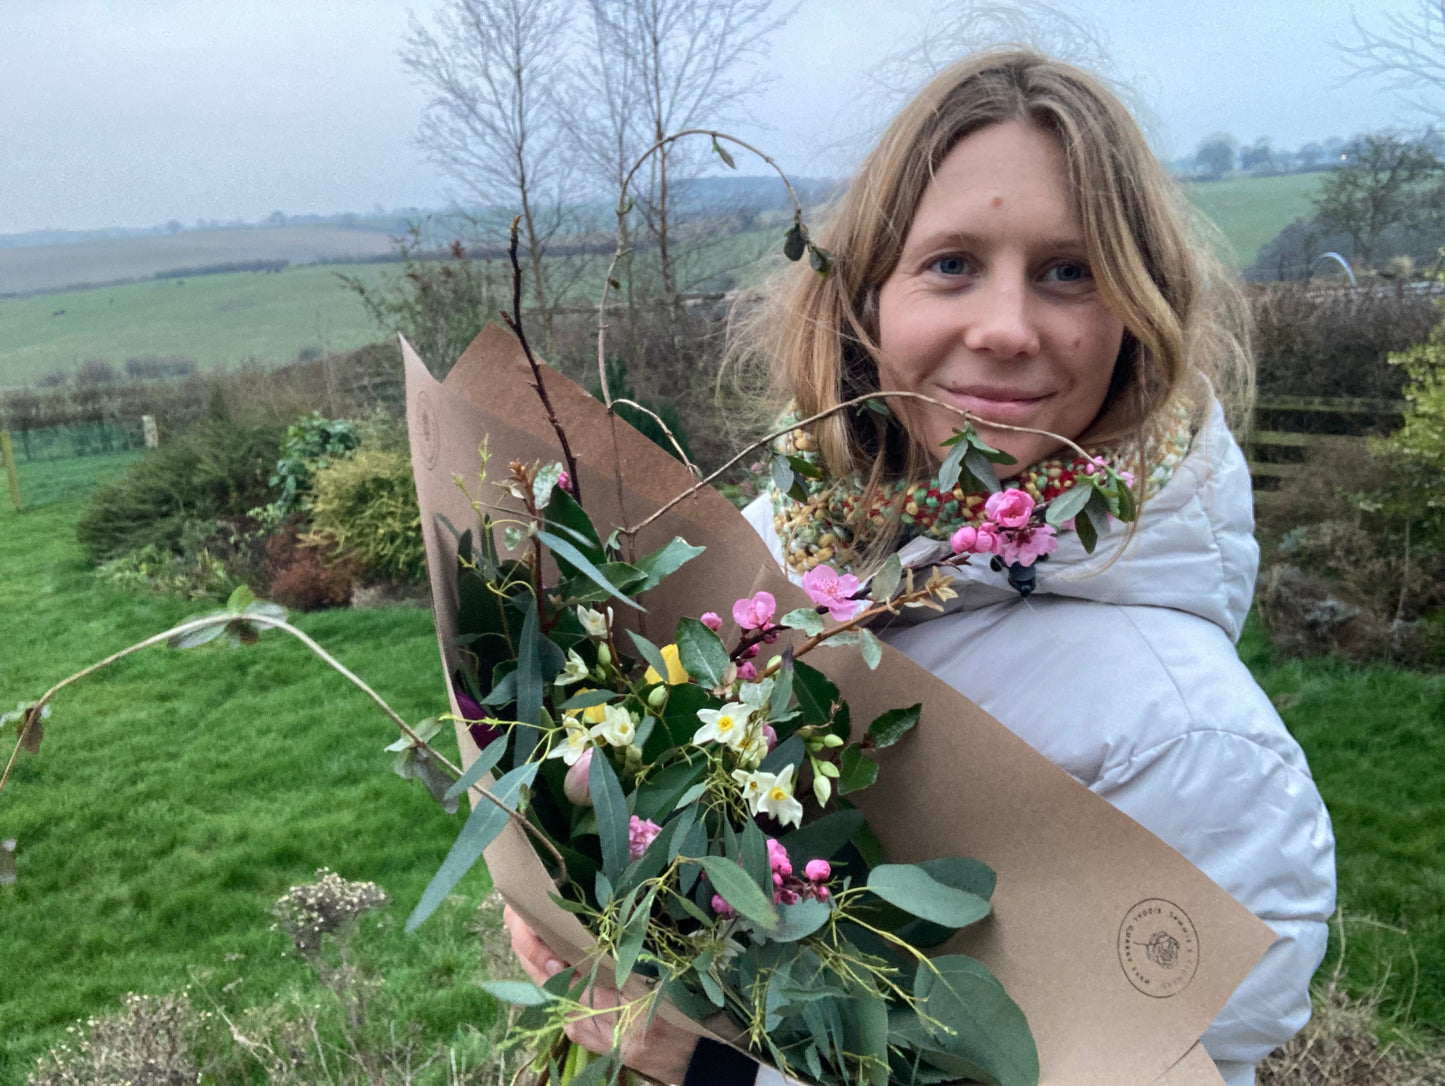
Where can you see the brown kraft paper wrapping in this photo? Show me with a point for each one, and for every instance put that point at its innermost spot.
(1082, 888)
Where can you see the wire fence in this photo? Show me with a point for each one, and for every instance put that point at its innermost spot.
(65, 463)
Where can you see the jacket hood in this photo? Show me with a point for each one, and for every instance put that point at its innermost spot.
(1193, 548)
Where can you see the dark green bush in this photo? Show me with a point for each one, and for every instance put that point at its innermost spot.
(365, 505)
(216, 469)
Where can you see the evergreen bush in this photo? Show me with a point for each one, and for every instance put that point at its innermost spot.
(217, 469)
(366, 505)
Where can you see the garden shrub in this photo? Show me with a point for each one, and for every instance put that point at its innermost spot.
(216, 469)
(311, 443)
(1326, 342)
(366, 504)
(308, 574)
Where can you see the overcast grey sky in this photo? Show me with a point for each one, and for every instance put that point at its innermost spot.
(134, 112)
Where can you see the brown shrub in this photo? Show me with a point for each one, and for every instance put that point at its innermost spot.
(307, 576)
(1332, 342)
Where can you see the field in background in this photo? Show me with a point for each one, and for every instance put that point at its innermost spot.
(1251, 210)
(218, 320)
(106, 260)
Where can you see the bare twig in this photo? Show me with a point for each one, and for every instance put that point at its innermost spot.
(514, 322)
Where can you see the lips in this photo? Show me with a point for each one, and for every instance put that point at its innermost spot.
(997, 403)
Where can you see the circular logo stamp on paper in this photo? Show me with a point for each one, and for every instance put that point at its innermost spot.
(1158, 948)
(429, 438)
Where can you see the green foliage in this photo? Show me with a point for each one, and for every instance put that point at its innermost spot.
(310, 444)
(215, 469)
(1389, 180)
(439, 302)
(366, 504)
(1417, 449)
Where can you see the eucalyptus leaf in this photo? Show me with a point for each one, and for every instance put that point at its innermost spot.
(782, 473)
(977, 1019)
(521, 992)
(872, 649)
(755, 856)
(799, 920)
(782, 696)
(193, 638)
(1085, 530)
(564, 549)
(912, 889)
(738, 890)
(887, 579)
(629, 946)
(530, 686)
(480, 830)
(586, 699)
(612, 816)
(490, 755)
(822, 838)
(806, 619)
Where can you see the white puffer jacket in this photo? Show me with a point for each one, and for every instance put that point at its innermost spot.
(1126, 675)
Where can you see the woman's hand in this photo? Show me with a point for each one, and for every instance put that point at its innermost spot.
(660, 1051)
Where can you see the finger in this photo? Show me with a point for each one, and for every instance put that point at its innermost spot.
(536, 957)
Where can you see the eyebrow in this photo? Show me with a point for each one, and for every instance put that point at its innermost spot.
(966, 240)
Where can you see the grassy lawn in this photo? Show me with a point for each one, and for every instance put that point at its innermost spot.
(178, 795)
(1376, 746)
(1251, 210)
(44, 482)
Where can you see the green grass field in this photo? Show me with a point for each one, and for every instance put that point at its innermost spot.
(1250, 210)
(218, 320)
(179, 794)
(45, 482)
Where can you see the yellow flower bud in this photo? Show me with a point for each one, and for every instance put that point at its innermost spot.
(675, 672)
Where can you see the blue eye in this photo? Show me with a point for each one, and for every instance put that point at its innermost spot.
(951, 265)
(1070, 272)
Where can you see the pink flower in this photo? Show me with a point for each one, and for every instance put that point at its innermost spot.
(640, 832)
(752, 651)
(565, 481)
(748, 672)
(980, 540)
(821, 893)
(1128, 477)
(785, 897)
(1010, 508)
(770, 737)
(827, 588)
(817, 870)
(755, 613)
(721, 907)
(711, 621)
(778, 858)
(575, 783)
(1027, 545)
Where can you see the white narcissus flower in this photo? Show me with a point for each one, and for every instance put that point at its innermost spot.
(574, 670)
(594, 623)
(771, 793)
(575, 740)
(617, 729)
(753, 749)
(728, 725)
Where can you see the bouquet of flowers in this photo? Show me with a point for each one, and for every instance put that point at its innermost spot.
(691, 802)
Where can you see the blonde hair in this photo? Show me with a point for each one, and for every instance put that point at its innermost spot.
(1183, 316)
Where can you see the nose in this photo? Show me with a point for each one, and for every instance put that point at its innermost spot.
(1000, 322)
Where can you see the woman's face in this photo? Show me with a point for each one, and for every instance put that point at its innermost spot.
(993, 307)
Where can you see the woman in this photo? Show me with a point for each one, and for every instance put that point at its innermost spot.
(1011, 249)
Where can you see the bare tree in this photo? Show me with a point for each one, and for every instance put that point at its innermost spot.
(493, 123)
(1407, 52)
(660, 66)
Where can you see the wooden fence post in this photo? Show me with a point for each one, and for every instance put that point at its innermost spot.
(7, 454)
